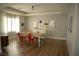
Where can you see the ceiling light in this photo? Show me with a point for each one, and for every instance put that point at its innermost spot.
(32, 7)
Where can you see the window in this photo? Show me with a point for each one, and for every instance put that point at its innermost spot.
(45, 25)
(52, 24)
(37, 25)
(11, 24)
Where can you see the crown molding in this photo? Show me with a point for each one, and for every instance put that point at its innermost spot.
(34, 14)
(21, 14)
(18, 12)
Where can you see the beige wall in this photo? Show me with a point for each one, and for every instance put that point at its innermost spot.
(61, 24)
(76, 38)
(73, 37)
(0, 23)
(22, 20)
(1, 27)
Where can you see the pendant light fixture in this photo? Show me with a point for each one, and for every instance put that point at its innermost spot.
(32, 7)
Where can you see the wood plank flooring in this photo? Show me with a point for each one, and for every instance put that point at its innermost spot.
(52, 47)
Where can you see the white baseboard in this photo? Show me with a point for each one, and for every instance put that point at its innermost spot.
(59, 38)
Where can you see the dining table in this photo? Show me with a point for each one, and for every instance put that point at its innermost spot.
(40, 36)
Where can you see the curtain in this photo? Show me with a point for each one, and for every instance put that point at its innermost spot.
(11, 23)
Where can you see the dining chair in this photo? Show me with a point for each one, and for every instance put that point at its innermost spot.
(21, 37)
(31, 39)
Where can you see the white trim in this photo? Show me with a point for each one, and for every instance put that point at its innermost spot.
(32, 14)
(13, 13)
(59, 38)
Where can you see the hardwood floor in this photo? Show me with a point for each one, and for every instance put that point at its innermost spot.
(52, 47)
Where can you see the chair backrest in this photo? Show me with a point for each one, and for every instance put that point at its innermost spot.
(30, 36)
(20, 36)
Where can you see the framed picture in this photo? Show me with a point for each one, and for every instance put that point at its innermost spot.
(70, 23)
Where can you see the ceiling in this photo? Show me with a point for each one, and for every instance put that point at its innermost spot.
(34, 8)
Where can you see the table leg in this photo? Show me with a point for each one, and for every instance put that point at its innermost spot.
(39, 41)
